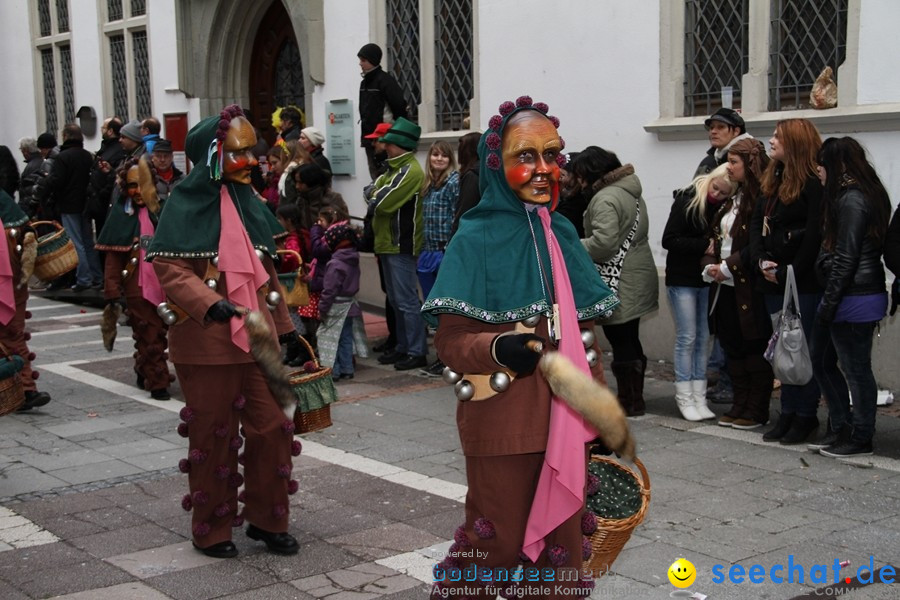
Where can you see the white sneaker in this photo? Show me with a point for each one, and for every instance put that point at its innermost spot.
(698, 387)
(684, 398)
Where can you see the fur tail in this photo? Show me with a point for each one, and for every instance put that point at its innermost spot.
(29, 255)
(267, 353)
(591, 400)
(109, 325)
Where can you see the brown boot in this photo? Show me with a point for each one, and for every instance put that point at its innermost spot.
(630, 384)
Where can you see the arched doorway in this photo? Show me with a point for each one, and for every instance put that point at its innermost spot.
(276, 75)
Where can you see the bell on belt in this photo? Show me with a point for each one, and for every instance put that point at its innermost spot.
(499, 381)
(124, 273)
(588, 337)
(450, 376)
(215, 261)
(592, 357)
(464, 390)
(134, 260)
(165, 313)
(531, 321)
(211, 283)
(13, 232)
(19, 248)
(259, 254)
(272, 299)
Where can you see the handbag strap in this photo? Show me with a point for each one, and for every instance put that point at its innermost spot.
(790, 291)
(619, 259)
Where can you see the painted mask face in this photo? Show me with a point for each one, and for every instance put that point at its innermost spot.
(530, 147)
(238, 149)
(133, 186)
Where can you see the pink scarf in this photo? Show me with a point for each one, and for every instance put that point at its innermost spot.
(151, 290)
(244, 273)
(7, 294)
(560, 490)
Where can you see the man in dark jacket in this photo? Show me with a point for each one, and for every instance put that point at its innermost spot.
(132, 140)
(725, 128)
(291, 123)
(103, 172)
(377, 91)
(167, 174)
(67, 184)
(30, 174)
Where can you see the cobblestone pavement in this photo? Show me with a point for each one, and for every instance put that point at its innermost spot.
(90, 496)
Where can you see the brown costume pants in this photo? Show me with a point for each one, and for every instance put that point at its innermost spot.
(12, 336)
(150, 341)
(210, 392)
(501, 489)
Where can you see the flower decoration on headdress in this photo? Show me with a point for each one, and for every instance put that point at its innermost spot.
(216, 167)
(493, 141)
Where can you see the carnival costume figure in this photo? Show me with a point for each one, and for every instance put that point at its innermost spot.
(213, 253)
(515, 278)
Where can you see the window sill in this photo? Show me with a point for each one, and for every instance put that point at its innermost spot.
(450, 136)
(852, 119)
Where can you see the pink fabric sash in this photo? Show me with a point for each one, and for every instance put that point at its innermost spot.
(244, 273)
(560, 490)
(151, 289)
(7, 294)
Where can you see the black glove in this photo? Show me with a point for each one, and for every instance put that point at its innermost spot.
(222, 311)
(512, 351)
(895, 295)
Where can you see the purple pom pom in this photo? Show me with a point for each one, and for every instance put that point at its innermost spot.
(554, 120)
(588, 523)
(492, 141)
(200, 498)
(201, 529)
(187, 414)
(241, 460)
(288, 427)
(236, 442)
(523, 101)
(542, 107)
(239, 403)
(493, 162)
(495, 122)
(186, 502)
(484, 528)
(183, 429)
(197, 456)
(561, 160)
(221, 432)
(224, 122)
(238, 521)
(293, 486)
(279, 511)
(296, 448)
(222, 472)
(242, 497)
(222, 510)
(284, 471)
(562, 145)
(461, 537)
(558, 555)
(506, 108)
(184, 465)
(235, 480)
(586, 549)
(593, 484)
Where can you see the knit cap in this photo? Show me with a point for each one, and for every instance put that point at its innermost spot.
(370, 52)
(132, 130)
(315, 137)
(46, 140)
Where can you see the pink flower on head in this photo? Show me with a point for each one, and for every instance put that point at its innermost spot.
(238, 521)
(554, 120)
(279, 511)
(184, 465)
(183, 429)
(586, 549)
(223, 122)
(236, 442)
(492, 141)
(561, 161)
(558, 555)
(493, 162)
(495, 122)
(506, 108)
(187, 414)
(293, 486)
(239, 402)
(287, 427)
(588, 523)
(284, 471)
(186, 502)
(235, 480)
(221, 432)
(523, 101)
(201, 529)
(200, 498)
(197, 456)
(222, 510)
(222, 472)
(484, 528)
(296, 448)
(542, 107)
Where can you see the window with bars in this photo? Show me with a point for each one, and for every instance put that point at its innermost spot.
(52, 42)
(114, 10)
(62, 15)
(716, 53)
(49, 80)
(452, 62)
(141, 74)
(289, 88)
(403, 50)
(128, 81)
(119, 72)
(806, 36)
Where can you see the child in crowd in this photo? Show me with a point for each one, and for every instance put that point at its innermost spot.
(297, 239)
(321, 254)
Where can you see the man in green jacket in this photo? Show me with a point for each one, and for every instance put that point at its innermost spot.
(399, 235)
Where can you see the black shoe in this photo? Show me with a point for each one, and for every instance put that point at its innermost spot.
(781, 427)
(848, 450)
(341, 376)
(79, 288)
(279, 543)
(385, 346)
(33, 399)
(830, 438)
(160, 394)
(97, 286)
(411, 362)
(801, 429)
(220, 550)
(435, 369)
(391, 357)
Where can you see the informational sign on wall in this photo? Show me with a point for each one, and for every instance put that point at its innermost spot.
(340, 143)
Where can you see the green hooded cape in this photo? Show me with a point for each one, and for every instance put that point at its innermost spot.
(10, 213)
(121, 230)
(490, 268)
(189, 224)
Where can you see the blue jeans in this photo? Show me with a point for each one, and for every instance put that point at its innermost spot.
(689, 307)
(343, 361)
(802, 400)
(403, 292)
(78, 227)
(851, 345)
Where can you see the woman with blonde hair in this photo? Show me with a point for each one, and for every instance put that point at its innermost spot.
(296, 155)
(687, 238)
(786, 230)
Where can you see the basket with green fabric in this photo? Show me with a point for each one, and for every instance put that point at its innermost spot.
(293, 287)
(56, 253)
(618, 499)
(315, 393)
(12, 394)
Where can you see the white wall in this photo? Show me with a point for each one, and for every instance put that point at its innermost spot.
(167, 98)
(17, 117)
(879, 46)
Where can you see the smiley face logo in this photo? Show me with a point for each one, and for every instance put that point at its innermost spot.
(682, 573)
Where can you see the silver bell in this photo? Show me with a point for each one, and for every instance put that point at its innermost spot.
(161, 308)
(134, 260)
(464, 390)
(13, 233)
(212, 283)
(19, 248)
(588, 338)
(450, 376)
(124, 273)
(259, 254)
(500, 381)
(592, 357)
(215, 261)
(531, 321)
(169, 317)
(273, 298)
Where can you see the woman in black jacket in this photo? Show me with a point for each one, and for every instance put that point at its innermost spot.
(786, 230)
(856, 211)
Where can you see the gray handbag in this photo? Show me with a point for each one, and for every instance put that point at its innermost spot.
(787, 350)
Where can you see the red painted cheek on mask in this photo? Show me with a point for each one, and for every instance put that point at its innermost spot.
(238, 164)
(518, 175)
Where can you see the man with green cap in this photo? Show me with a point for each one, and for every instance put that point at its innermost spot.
(399, 236)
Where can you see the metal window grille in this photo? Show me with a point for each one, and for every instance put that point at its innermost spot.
(289, 87)
(62, 15)
(44, 23)
(453, 62)
(807, 36)
(68, 92)
(49, 79)
(716, 53)
(118, 68)
(138, 7)
(403, 50)
(114, 10)
(142, 94)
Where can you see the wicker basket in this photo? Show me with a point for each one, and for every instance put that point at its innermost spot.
(56, 254)
(12, 395)
(315, 393)
(612, 534)
(295, 290)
